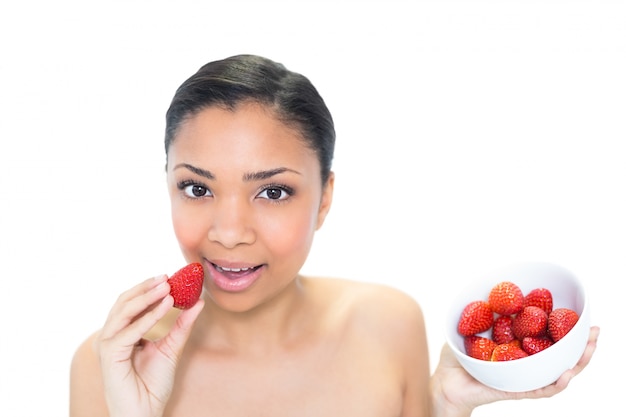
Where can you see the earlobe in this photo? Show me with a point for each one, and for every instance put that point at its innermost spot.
(326, 200)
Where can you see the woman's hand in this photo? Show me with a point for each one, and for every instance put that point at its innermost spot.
(139, 374)
(456, 393)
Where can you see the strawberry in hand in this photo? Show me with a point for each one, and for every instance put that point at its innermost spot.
(186, 285)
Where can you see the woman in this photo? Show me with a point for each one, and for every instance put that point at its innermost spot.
(249, 146)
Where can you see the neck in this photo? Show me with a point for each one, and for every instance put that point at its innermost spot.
(275, 324)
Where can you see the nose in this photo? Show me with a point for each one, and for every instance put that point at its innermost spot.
(231, 223)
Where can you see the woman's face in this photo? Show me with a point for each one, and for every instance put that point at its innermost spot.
(246, 199)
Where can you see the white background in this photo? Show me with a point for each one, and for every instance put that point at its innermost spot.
(471, 135)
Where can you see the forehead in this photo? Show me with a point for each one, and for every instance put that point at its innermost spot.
(250, 134)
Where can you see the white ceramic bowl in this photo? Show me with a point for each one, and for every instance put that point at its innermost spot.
(542, 368)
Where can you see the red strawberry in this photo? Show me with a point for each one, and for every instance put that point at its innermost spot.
(475, 318)
(532, 345)
(186, 285)
(502, 331)
(479, 347)
(539, 297)
(560, 322)
(508, 352)
(506, 298)
(531, 321)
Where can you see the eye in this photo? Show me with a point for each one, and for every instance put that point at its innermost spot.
(275, 192)
(194, 190)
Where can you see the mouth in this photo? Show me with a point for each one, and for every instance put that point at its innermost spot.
(233, 278)
(243, 270)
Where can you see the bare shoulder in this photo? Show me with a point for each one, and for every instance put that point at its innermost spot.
(86, 390)
(390, 323)
(378, 307)
(375, 298)
(85, 360)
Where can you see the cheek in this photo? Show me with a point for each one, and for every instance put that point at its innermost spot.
(290, 235)
(189, 230)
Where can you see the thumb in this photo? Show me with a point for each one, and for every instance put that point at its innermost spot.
(174, 342)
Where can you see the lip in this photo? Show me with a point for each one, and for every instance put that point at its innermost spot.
(233, 282)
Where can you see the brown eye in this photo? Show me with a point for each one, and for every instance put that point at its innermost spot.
(275, 193)
(198, 191)
(195, 190)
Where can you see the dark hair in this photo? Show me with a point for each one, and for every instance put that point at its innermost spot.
(250, 78)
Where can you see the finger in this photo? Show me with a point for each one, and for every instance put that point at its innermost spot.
(133, 303)
(141, 288)
(172, 344)
(118, 350)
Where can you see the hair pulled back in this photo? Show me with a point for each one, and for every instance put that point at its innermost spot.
(252, 78)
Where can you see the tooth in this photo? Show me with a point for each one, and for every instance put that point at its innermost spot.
(233, 269)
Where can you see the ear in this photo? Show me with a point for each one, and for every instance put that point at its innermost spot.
(326, 200)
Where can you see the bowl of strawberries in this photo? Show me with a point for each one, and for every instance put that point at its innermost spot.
(520, 327)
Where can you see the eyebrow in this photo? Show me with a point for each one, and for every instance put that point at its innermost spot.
(248, 176)
(263, 175)
(202, 172)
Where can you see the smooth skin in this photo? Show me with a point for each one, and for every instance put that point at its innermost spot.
(246, 194)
